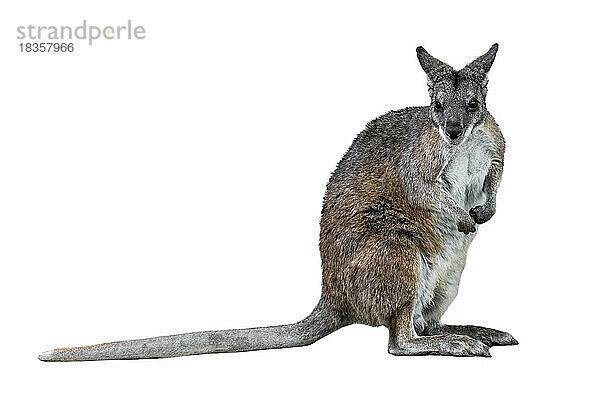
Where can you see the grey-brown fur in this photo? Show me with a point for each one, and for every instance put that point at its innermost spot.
(399, 214)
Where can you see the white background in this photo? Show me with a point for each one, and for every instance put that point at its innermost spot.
(174, 184)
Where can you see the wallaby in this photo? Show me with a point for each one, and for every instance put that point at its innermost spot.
(399, 214)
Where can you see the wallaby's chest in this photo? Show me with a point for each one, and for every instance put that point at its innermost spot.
(463, 176)
(466, 168)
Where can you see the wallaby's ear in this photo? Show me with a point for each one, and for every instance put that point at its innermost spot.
(427, 61)
(435, 69)
(481, 65)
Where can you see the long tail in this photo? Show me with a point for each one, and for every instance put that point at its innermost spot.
(317, 325)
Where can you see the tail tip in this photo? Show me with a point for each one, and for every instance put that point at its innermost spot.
(46, 356)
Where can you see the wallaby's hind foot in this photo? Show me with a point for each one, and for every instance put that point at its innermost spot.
(489, 336)
(405, 342)
(442, 345)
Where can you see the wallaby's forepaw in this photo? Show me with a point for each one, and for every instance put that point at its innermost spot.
(466, 224)
(482, 214)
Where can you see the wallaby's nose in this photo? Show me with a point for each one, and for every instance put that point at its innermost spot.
(453, 128)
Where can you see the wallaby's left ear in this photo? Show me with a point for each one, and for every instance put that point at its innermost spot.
(481, 65)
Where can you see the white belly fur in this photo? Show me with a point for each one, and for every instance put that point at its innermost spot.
(463, 176)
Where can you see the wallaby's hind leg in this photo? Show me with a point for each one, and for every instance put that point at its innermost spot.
(405, 342)
(445, 294)
(489, 336)
(382, 286)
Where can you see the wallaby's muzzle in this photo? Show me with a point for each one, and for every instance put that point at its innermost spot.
(453, 130)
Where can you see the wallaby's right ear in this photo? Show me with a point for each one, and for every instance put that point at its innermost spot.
(432, 67)
(427, 61)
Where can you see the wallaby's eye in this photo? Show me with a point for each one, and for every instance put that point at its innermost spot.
(473, 105)
(437, 106)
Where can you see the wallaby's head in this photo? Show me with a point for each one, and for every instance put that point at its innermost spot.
(457, 97)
